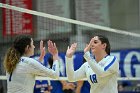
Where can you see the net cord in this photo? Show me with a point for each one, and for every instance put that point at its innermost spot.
(65, 78)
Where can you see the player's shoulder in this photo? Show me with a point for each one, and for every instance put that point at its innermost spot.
(111, 60)
(27, 60)
(111, 57)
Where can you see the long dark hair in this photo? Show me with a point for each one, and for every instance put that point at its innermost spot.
(103, 40)
(14, 53)
(50, 61)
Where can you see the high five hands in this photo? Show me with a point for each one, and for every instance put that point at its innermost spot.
(42, 50)
(53, 49)
(71, 50)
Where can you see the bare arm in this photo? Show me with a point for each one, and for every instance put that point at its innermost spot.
(79, 86)
(67, 85)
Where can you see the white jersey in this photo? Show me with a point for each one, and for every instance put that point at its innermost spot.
(102, 76)
(22, 79)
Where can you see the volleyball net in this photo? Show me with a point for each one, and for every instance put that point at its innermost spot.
(37, 22)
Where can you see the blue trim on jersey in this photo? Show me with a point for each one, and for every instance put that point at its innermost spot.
(54, 67)
(10, 77)
(110, 64)
(91, 79)
(22, 60)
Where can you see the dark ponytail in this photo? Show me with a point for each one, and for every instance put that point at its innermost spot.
(15, 52)
(11, 59)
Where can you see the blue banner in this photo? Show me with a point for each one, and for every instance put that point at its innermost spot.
(129, 62)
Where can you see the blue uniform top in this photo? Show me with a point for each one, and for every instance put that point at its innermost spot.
(85, 88)
(40, 86)
(57, 87)
(56, 84)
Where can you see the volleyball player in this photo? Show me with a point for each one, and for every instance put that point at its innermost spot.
(101, 69)
(21, 69)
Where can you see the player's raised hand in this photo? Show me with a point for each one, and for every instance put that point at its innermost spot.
(88, 46)
(53, 49)
(71, 50)
(42, 51)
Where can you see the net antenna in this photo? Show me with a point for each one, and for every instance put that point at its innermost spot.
(108, 29)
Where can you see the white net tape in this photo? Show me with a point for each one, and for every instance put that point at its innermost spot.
(65, 78)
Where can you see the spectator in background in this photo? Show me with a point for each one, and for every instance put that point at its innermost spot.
(42, 86)
(125, 86)
(120, 87)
